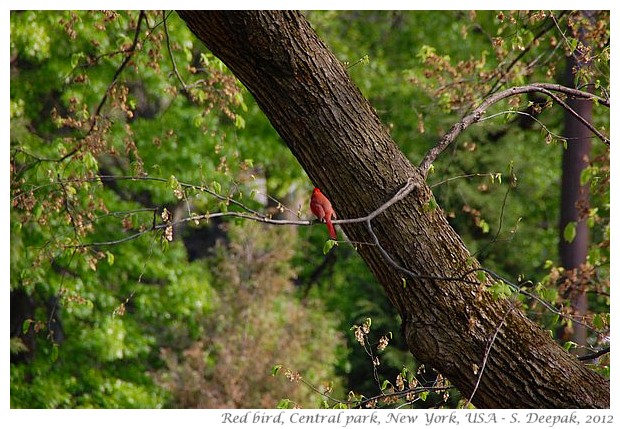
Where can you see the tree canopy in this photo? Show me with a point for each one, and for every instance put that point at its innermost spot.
(161, 253)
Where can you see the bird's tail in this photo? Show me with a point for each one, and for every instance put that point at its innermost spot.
(331, 229)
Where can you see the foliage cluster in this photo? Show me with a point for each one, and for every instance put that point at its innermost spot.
(257, 322)
(101, 301)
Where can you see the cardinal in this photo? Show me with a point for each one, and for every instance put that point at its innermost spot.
(322, 209)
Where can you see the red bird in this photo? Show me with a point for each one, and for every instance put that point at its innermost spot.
(322, 208)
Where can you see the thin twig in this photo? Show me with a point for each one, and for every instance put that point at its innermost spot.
(501, 222)
(532, 43)
(577, 116)
(411, 274)
(522, 291)
(174, 63)
(532, 117)
(129, 54)
(595, 355)
(361, 403)
(464, 176)
(486, 356)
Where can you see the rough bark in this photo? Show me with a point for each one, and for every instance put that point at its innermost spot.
(346, 151)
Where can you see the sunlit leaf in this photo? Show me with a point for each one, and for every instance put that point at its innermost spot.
(26, 326)
(570, 232)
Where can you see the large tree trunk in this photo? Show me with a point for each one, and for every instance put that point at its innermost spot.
(340, 142)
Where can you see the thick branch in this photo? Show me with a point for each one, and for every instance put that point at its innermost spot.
(476, 114)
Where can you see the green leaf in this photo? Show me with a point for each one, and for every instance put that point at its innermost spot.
(239, 99)
(76, 58)
(165, 244)
(595, 256)
(328, 246)
(572, 43)
(173, 182)
(569, 345)
(481, 275)
(599, 321)
(385, 384)
(500, 289)
(217, 188)
(16, 346)
(431, 204)
(198, 120)
(425, 51)
(275, 370)
(554, 319)
(38, 210)
(423, 395)
(586, 175)
(90, 161)
(26, 326)
(549, 294)
(570, 231)
(239, 122)
(110, 258)
(54, 354)
(285, 404)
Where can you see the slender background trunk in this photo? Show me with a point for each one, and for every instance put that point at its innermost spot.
(449, 321)
(575, 199)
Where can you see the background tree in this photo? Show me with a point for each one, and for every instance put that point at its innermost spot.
(576, 218)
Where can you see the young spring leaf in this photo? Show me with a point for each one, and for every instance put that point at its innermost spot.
(570, 231)
(275, 370)
(328, 246)
(26, 326)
